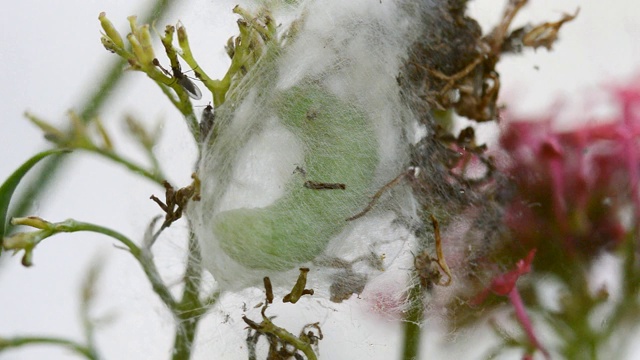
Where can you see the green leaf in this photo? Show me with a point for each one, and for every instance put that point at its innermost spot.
(10, 185)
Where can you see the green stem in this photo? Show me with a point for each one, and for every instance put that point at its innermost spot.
(412, 325)
(155, 164)
(187, 312)
(156, 177)
(182, 103)
(583, 340)
(107, 87)
(35, 340)
(213, 85)
(48, 172)
(87, 300)
(184, 336)
(630, 285)
(142, 255)
(190, 309)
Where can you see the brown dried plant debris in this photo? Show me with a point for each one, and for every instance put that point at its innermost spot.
(314, 185)
(455, 68)
(176, 200)
(283, 344)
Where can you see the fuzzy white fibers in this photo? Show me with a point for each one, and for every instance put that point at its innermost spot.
(327, 104)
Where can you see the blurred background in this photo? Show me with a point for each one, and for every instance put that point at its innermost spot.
(52, 60)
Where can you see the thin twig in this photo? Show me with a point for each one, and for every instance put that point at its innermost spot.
(20, 341)
(378, 194)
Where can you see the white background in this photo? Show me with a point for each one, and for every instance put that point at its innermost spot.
(50, 53)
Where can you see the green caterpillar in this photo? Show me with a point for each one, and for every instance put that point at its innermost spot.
(340, 146)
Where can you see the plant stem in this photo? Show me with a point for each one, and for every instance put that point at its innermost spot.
(183, 340)
(582, 340)
(142, 255)
(156, 177)
(412, 325)
(187, 312)
(190, 309)
(35, 340)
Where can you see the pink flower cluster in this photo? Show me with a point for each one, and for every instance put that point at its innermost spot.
(573, 189)
(571, 194)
